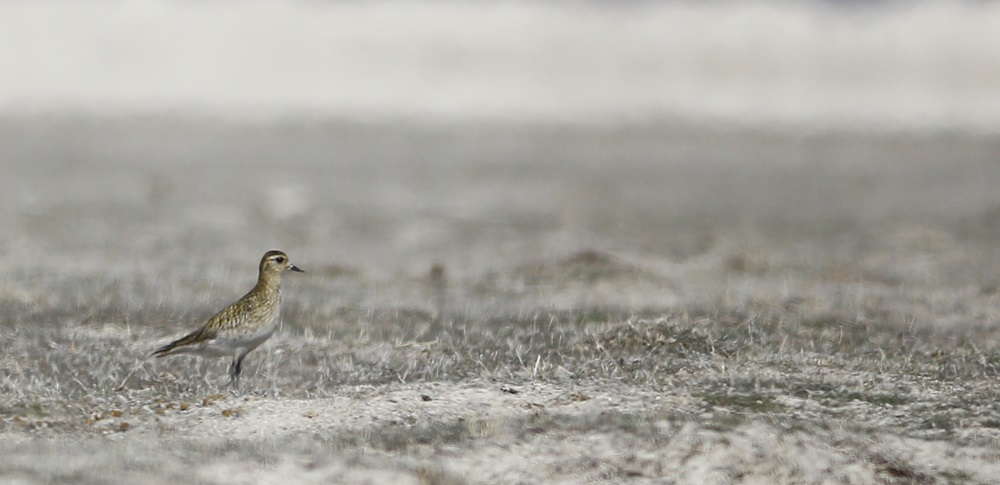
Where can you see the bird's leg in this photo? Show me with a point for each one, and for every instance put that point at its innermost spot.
(234, 371)
(235, 368)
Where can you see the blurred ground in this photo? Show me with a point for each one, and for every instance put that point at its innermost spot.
(489, 302)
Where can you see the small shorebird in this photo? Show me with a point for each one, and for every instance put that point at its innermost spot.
(242, 326)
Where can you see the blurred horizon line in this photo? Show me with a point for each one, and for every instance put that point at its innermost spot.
(814, 65)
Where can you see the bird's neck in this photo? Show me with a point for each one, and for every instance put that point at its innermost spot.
(269, 284)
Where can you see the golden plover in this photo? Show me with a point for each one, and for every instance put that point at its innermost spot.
(242, 326)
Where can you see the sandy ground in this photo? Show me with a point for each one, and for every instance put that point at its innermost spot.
(645, 304)
(508, 438)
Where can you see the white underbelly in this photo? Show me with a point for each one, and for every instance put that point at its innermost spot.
(224, 345)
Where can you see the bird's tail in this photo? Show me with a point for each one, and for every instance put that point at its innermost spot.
(165, 350)
(181, 344)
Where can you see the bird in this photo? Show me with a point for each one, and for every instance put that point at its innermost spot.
(243, 325)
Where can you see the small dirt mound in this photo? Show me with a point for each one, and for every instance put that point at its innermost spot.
(588, 267)
(666, 337)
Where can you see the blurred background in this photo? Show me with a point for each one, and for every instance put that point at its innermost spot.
(166, 140)
(807, 65)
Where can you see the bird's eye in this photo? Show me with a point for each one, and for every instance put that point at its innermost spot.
(280, 259)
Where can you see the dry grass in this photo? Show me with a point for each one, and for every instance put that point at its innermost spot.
(658, 345)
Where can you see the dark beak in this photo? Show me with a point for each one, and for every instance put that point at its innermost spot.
(295, 269)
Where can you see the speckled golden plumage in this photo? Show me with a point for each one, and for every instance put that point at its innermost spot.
(242, 326)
